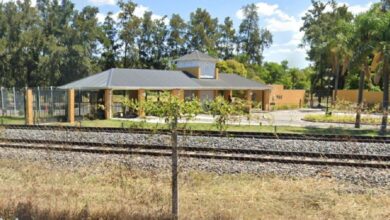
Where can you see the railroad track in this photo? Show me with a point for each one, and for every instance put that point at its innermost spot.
(290, 157)
(255, 135)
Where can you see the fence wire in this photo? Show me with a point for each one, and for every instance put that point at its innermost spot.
(127, 169)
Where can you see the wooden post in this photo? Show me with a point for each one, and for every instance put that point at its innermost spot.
(179, 93)
(29, 107)
(107, 103)
(197, 94)
(71, 106)
(141, 99)
(248, 97)
(266, 99)
(175, 184)
(228, 95)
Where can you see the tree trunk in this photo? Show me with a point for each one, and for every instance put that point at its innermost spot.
(385, 105)
(336, 84)
(360, 99)
(175, 190)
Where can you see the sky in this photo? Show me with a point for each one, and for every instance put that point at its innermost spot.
(281, 17)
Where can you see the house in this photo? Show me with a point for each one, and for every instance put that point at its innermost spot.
(196, 76)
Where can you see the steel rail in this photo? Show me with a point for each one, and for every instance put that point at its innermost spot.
(232, 134)
(204, 154)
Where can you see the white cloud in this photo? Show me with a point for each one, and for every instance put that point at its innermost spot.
(275, 19)
(354, 9)
(103, 2)
(357, 9)
(139, 11)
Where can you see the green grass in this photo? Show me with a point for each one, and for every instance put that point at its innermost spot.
(342, 119)
(246, 128)
(11, 120)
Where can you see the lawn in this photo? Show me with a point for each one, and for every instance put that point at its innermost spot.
(212, 127)
(110, 191)
(11, 120)
(342, 119)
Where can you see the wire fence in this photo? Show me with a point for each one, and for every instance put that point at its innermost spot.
(127, 171)
(12, 102)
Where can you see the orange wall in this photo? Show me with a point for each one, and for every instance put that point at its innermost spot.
(279, 96)
(369, 97)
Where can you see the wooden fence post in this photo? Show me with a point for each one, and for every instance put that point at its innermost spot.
(107, 103)
(71, 106)
(29, 107)
(141, 100)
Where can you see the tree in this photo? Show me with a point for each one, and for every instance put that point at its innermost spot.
(232, 66)
(361, 45)
(110, 53)
(202, 31)
(177, 36)
(226, 40)
(129, 32)
(171, 109)
(252, 39)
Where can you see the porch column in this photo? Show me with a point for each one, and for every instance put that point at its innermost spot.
(248, 98)
(71, 106)
(141, 100)
(266, 99)
(29, 108)
(107, 103)
(179, 93)
(228, 94)
(197, 94)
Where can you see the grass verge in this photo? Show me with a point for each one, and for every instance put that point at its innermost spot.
(111, 191)
(11, 120)
(342, 119)
(246, 128)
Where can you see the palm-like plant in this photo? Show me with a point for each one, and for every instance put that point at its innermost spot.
(361, 44)
(340, 52)
(380, 41)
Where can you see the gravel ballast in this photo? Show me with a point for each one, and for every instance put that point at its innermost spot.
(201, 141)
(360, 176)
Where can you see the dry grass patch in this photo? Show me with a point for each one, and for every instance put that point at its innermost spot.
(110, 191)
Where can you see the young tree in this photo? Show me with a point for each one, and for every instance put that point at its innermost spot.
(171, 109)
(223, 110)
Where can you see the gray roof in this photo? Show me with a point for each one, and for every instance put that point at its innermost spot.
(132, 79)
(197, 55)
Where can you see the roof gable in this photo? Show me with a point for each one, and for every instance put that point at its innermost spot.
(197, 56)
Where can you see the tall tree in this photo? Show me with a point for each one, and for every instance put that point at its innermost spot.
(227, 39)
(202, 31)
(177, 36)
(110, 53)
(252, 39)
(129, 32)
